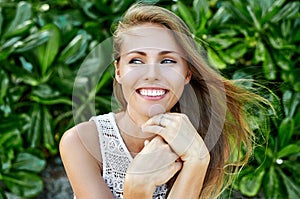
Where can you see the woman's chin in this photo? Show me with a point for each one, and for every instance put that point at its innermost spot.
(156, 109)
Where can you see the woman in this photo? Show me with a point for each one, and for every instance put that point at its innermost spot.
(179, 118)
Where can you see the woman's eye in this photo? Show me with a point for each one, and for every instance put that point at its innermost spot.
(168, 61)
(135, 61)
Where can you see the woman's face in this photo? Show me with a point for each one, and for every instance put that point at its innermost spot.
(152, 70)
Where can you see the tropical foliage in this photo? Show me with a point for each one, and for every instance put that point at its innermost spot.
(43, 44)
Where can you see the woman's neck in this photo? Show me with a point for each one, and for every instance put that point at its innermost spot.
(132, 127)
(132, 133)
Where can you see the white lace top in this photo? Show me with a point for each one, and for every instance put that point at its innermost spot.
(116, 157)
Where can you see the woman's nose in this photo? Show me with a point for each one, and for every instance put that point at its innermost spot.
(153, 72)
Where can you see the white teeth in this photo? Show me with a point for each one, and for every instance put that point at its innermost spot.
(152, 92)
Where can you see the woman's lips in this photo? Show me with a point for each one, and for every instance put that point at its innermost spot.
(152, 93)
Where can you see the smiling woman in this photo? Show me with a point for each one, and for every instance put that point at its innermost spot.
(177, 123)
(149, 66)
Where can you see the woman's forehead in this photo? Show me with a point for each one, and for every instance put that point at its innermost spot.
(149, 36)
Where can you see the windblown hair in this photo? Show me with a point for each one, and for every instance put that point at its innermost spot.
(221, 105)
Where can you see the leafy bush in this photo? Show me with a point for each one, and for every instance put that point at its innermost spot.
(43, 45)
(41, 51)
(259, 40)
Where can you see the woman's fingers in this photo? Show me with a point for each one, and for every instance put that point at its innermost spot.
(157, 162)
(155, 156)
(160, 120)
(179, 133)
(174, 129)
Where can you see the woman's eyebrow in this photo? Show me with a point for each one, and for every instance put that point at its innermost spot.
(144, 53)
(137, 52)
(167, 52)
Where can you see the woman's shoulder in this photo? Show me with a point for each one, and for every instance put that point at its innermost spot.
(83, 135)
(85, 130)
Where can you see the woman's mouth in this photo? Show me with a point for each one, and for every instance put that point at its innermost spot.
(152, 93)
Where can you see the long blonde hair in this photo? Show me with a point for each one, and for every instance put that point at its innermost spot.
(207, 84)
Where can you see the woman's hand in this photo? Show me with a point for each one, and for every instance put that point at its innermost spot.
(155, 165)
(177, 130)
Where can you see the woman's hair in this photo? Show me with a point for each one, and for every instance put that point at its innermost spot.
(221, 105)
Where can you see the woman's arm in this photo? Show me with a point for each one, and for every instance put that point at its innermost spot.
(195, 159)
(190, 180)
(152, 167)
(82, 168)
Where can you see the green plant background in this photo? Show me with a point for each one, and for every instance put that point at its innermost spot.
(43, 43)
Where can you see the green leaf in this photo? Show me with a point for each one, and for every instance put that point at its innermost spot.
(186, 15)
(75, 49)
(10, 138)
(286, 130)
(297, 122)
(250, 184)
(9, 43)
(256, 22)
(286, 99)
(238, 11)
(201, 8)
(215, 60)
(269, 67)
(272, 185)
(237, 51)
(222, 42)
(29, 162)
(23, 184)
(23, 75)
(280, 43)
(34, 133)
(290, 102)
(60, 100)
(288, 150)
(4, 84)
(6, 157)
(286, 28)
(283, 62)
(47, 52)
(32, 41)
(22, 15)
(259, 54)
(48, 132)
(292, 188)
(21, 29)
(121, 5)
(8, 47)
(289, 10)
(225, 57)
(295, 103)
(1, 23)
(271, 10)
(219, 18)
(45, 91)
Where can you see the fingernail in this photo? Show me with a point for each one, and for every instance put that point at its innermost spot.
(146, 142)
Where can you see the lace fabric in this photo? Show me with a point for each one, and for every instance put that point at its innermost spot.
(116, 157)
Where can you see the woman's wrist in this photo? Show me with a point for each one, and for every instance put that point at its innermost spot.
(196, 159)
(187, 184)
(136, 186)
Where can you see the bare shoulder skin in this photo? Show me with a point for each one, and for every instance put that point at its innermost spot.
(81, 156)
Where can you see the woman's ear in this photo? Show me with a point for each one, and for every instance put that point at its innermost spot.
(188, 77)
(117, 71)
